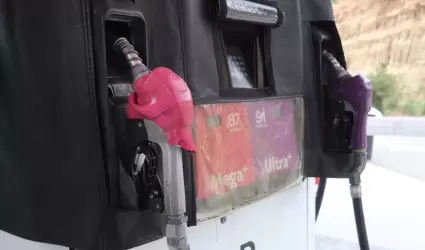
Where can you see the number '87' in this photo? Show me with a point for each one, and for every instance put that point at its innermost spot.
(233, 119)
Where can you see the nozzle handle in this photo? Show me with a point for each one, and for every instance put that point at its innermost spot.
(357, 91)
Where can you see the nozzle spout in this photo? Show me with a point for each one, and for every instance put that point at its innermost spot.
(138, 69)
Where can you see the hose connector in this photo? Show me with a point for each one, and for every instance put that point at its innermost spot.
(339, 70)
(355, 187)
(138, 69)
(176, 233)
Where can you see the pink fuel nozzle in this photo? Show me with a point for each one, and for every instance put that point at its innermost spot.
(160, 95)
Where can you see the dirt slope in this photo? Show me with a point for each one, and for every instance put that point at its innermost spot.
(389, 32)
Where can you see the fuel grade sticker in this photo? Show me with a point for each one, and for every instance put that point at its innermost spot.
(275, 146)
(224, 158)
(246, 151)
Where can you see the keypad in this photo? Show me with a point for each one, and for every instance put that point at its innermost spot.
(239, 72)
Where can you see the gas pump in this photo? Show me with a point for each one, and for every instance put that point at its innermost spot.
(96, 148)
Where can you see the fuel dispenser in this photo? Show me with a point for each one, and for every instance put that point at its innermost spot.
(338, 104)
(105, 146)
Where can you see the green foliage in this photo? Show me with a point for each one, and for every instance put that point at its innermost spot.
(414, 107)
(391, 98)
(415, 103)
(385, 90)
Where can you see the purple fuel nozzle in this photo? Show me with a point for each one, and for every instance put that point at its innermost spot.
(357, 92)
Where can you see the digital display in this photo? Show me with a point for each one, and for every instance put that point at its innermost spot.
(238, 69)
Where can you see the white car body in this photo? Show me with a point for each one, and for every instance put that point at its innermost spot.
(374, 112)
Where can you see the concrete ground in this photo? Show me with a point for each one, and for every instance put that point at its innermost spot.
(393, 199)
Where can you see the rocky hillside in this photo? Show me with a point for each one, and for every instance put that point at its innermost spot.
(384, 32)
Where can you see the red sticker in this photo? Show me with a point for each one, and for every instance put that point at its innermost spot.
(224, 160)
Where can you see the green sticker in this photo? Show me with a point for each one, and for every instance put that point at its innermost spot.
(214, 121)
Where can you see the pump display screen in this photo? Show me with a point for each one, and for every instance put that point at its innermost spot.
(240, 76)
(244, 60)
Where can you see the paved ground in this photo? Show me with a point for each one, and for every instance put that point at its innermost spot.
(404, 155)
(327, 243)
(394, 201)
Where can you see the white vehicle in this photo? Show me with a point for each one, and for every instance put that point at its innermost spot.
(372, 113)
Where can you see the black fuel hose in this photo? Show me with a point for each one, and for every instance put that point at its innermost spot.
(357, 207)
(360, 223)
(356, 194)
(319, 195)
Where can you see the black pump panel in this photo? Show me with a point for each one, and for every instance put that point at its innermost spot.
(271, 58)
(52, 178)
(321, 157)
